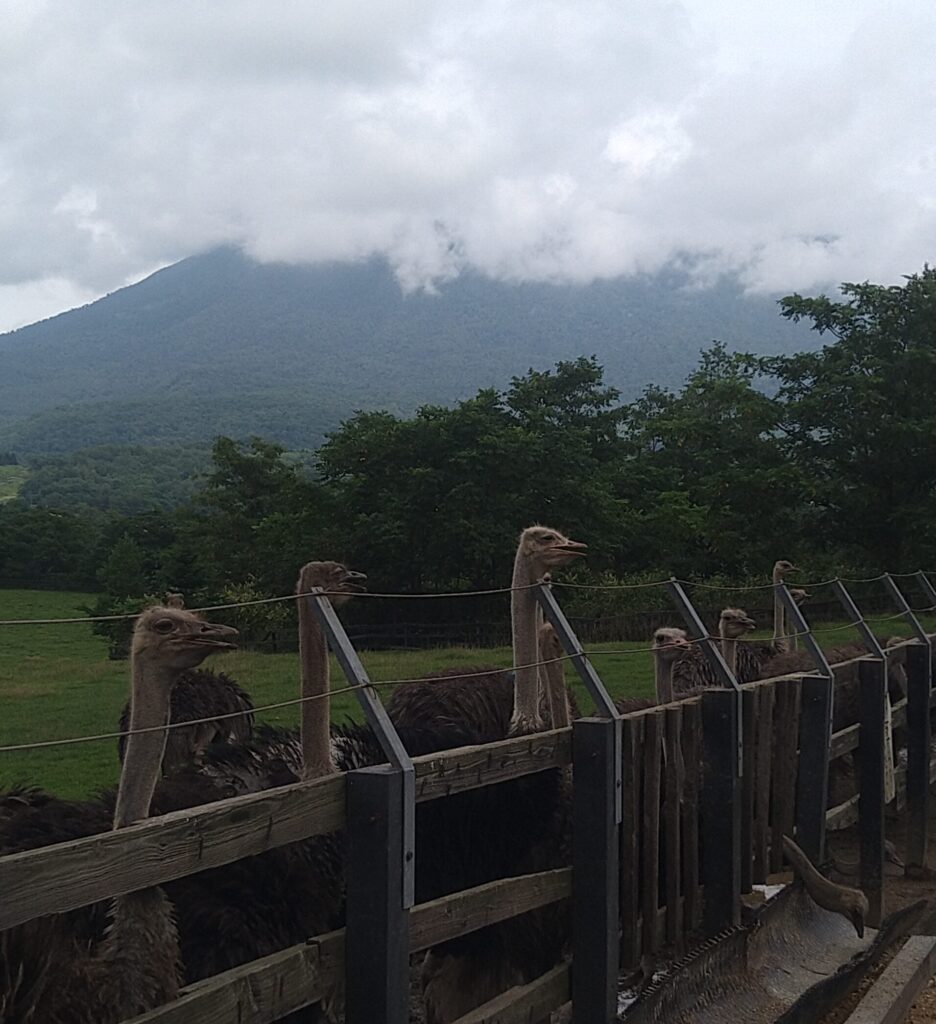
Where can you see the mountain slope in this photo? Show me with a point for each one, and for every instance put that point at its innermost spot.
(218, 343)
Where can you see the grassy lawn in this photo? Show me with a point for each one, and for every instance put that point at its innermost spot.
(56, 682)
(12, 479)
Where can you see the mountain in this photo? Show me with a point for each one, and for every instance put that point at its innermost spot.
(218, 343)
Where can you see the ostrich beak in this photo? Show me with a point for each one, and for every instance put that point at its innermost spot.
(211, 634)
(857, 919)
(355, 580)
(573, 547)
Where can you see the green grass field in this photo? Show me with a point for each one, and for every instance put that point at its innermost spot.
(56, 682)
(12, 479)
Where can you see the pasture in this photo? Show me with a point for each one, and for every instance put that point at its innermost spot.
(57, 682)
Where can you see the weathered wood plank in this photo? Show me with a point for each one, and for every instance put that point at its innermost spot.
(69, 875)
(762, 785)
(692, 745)
(843, 814)
(650, 835)
(454, 771)
(786, 805)
(721, 799)
(265, 990)
(629, 886)
(889, 999)
(450, 916)
(59, 878)
(674, 779)
(524, 1003)
(261, 991)
(749, 702)
(872, 694)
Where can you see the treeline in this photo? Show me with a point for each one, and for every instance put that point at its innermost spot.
(828, 458)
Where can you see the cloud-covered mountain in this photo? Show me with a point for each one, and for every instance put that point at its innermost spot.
(221, 344)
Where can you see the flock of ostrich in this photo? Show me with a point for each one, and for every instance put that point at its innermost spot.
(109, 962)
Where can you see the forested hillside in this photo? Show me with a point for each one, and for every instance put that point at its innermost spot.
(832, 465)
(218, 344)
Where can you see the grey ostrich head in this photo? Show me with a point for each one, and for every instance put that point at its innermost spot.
(178, 639)
(337, 580)
(669, 643)
(547, 549)
(734, 623)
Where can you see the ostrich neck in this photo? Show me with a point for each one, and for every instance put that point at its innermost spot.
(526, 716)
(314, 715)
(663, 679)
(781, 644)
(730, 653)
(149, 708)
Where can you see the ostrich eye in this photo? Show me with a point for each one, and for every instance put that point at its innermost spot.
(164, 625)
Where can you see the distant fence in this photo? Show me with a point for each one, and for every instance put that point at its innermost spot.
(678, 810)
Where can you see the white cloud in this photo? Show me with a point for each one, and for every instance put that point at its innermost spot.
(556, 139)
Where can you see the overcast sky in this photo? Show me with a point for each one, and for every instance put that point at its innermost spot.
(792, 142)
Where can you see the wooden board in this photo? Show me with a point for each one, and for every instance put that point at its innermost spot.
(889, 999)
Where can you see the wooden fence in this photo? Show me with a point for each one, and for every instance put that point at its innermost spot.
(678, 810)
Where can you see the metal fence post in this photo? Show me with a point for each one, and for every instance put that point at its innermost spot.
(596, 743)
(377, 932)
(872, 693)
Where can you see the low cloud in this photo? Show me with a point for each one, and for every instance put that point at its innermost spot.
(544, 140)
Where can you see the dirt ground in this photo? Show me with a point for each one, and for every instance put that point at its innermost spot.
(899, 892)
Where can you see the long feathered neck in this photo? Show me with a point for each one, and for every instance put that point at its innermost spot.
(663, 678)
(729, 648)
(315, 681)
(526, 716)
(137, 962)
(151, 685)
(780, 642)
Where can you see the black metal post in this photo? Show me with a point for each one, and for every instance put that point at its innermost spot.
(721, 804)
(377, 934)
(596, 743)
(872, 678)
(919, 667)
(812, 777)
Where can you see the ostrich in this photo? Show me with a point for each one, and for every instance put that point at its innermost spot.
(691, 671)
(495, 705)
(780, 642)
(134, 965)
(799, 596)
(840, 899)
(198, 693)
(669, 644)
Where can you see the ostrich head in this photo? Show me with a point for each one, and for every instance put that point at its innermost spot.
(547, 549)
(735, 622)
(337, 580)
(669, 643)
(798, 595)
(176, 639)
(174, 599)
(781, 568)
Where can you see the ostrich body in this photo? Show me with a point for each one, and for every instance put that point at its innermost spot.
(199, 694)
(692, 672)
(134, 965)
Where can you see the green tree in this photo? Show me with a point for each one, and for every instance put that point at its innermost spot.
(861, 417)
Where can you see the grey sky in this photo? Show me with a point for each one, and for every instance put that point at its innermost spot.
(793, 143)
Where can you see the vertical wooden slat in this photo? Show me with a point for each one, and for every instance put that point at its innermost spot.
(812, 783)
(748, 718)
(692, 743)
(650, 839)
(872, 679)
(721, 793)
(766, 699)
(595, 868)
(377, 940)
(786, 804)
(918, 755)
(631, 760)
(780, 781)
(674, 779)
